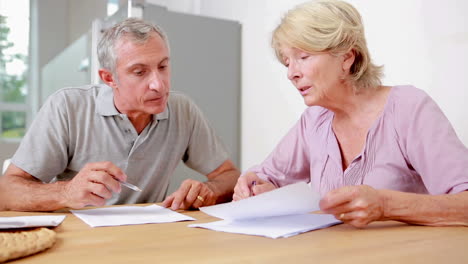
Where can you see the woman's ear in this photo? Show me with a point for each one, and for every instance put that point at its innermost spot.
(348, 60)
(107, 77)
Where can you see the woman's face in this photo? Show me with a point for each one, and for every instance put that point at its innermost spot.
(317, 76)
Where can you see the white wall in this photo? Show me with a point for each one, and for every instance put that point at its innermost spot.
(420, 42)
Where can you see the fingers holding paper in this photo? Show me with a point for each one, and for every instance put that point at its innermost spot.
(354, 205)
(191, 194)
(250, 185)
(93, 185)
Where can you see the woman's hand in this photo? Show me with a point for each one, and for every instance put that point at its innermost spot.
(250, 185)
(354, 205)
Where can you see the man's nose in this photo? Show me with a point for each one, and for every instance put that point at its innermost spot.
(156, 82)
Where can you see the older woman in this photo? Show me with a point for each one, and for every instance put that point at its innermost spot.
(374, 152)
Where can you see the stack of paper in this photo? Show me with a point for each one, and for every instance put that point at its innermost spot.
(129, 215)
(282, 212)
(30, 221)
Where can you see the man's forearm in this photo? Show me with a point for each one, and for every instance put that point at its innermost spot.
(223, 185)
(432, 210)
(20, 194)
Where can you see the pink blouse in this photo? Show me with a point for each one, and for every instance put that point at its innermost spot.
(411, 147)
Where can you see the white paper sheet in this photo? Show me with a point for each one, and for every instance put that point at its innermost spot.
(292, 199)
(275, 226)
(30, 221)
(129, 215)
(282, 212)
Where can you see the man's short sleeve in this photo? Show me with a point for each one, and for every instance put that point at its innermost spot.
(43, 150)
(205, 151)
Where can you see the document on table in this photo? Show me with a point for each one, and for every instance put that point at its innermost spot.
(282, 212)
(30, 221)
(129, 215)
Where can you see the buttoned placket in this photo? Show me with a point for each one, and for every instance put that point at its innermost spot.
(352, 174)
(129, 132)
(352, 171)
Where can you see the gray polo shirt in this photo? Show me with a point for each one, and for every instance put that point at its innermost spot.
(81, 125)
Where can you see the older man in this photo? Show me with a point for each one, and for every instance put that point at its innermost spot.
(87, 141)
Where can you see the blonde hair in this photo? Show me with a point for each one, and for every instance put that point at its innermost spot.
(329, 26)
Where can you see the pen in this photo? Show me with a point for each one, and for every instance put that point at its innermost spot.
(129, 185)
(251, 188)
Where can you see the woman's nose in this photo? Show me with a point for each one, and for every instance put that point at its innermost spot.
(293, 71)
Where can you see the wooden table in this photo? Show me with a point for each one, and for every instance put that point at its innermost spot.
(381, 242)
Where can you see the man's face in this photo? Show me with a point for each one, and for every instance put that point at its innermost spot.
(142, 83)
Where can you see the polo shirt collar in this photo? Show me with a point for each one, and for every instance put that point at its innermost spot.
(105, 104)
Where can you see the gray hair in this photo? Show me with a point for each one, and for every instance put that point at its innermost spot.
(137, 30)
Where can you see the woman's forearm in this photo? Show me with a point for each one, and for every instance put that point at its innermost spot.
(432, 210)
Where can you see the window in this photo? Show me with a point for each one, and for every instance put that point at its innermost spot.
(14, 39)
(112, 7)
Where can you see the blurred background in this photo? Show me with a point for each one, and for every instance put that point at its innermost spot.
(222, 58)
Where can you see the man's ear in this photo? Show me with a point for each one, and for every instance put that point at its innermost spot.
(107, 77)
(348, 60)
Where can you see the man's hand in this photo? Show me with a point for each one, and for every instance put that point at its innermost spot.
(191, 194)
(93, 185)
(195, 194)
(250, 185)
(354, 205)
